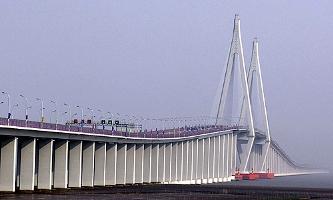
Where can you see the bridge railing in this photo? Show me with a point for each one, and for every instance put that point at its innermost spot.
(167, 133)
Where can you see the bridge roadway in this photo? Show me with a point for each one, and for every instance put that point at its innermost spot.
(45, 158)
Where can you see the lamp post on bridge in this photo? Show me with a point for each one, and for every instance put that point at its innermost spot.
(41, 110)
(69, 115)
(82, 119)
(92, 115)
(26, 109)
(62, 117)
(56, 113)
(13, 106)
(9, 111)
(118, 118)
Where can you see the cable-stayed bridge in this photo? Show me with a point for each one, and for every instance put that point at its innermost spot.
(234, 144)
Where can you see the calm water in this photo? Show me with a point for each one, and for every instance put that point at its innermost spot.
(304, 181)
(209, 191)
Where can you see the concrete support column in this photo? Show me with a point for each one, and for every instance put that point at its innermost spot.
(88, 164)
(222, 159)
(27, 169)
(111, 163)
(161, 163)
(130, 163)
(206, 160)
(189, 161)
(100, 164)
(227, 156)
(179, 161)
(201, 155)
(174, 160)
(45, 158)
(194, 176)
(8, 164)
(211, 159)
(154, 163)
(121, 164)
(216, 158)
(235, 154)
(75, 164)
(185, 161)
(60, 176)
(167, 169)
(138, 169)
(147, 163)
(232, 152)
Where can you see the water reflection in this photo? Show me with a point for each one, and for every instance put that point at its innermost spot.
(274, 189)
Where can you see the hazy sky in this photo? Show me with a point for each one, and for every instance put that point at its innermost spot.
(165, 58)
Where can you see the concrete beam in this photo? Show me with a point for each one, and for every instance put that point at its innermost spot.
(27, 168)
(45, 162)
(88, 164)
(100, 164)
(75, 164)
(8, 164)
(60, 177)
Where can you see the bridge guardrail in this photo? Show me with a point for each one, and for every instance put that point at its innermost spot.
(167, 133)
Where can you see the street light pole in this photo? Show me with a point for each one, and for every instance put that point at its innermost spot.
(69, 116)
(42, 110)
(26, 109)
(56, 113)
(9, 112)
(81, 117)
(92, 113)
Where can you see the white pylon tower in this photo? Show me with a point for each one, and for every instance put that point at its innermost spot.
(255, 71)
(236, 52)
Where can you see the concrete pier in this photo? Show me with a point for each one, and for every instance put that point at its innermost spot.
(47, 162)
